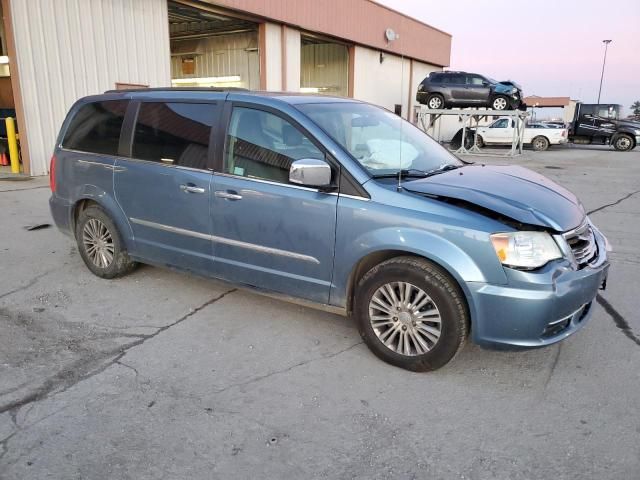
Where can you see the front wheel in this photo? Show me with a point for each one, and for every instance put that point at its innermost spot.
(411, 314)
(623, 143)
(540, 144)
(479, 141)
(500, 103)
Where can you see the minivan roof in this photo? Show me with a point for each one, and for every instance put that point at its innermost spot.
(212, 93)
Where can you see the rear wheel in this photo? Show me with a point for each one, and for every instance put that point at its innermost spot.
(435, 101)
(100, 244)
(411, 314)
(500, 103)
(540, 143)
(623, 143)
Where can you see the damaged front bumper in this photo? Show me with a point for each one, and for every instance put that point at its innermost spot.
(537, 308)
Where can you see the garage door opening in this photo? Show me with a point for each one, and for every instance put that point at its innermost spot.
(324, 67)
(209, 49)
(9, 146)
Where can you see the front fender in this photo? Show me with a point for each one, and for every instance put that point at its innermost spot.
(626, 131)
(502, 89)
(482, 266)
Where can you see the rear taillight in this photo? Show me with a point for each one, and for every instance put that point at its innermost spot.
(52, 174)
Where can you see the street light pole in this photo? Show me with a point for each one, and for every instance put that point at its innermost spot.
(606, 45)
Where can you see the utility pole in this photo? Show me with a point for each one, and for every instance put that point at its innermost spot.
(606, 45)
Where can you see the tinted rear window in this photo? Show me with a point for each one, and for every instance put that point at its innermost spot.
(96, 127)
(437, 78)
(174, 133)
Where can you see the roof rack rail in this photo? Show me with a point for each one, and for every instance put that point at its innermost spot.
(181, 89)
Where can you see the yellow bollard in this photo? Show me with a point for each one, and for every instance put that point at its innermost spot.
(13, 144)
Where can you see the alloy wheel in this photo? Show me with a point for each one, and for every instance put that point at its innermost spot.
(98, 243)
(435, 103)
(499, 104)
(405, 319)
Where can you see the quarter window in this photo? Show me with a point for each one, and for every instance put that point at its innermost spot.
(263, 145)
(174, 133)
(96, 127)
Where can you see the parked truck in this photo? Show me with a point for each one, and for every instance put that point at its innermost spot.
(600, 124)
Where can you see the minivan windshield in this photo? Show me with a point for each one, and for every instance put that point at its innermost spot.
(379, 140)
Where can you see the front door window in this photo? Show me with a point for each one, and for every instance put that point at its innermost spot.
(262, 145)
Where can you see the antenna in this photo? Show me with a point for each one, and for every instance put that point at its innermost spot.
(391, 36)
(401, 122)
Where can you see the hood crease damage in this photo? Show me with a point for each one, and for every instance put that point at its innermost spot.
(513, 195)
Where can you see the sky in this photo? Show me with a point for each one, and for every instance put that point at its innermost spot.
(550, 47)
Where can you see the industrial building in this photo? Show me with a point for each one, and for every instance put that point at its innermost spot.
(57, 52)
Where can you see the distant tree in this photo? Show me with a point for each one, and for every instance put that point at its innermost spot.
(635, 108)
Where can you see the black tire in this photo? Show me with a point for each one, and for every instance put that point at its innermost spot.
(479, 141)
(540, 143)
(500, 102)
(623, 142)
(120, 264)
(435, 101)
(445, 296)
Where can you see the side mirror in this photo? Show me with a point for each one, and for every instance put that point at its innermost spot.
(485, 83)
(310, 172)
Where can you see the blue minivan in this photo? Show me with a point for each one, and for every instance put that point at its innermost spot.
(330, 202)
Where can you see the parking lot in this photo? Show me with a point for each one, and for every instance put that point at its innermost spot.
(165, 375)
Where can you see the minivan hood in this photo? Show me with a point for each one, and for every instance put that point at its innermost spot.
(515, 192)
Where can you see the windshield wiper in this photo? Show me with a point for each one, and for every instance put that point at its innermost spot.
(415, 173)
(441, 169)
(405, 172)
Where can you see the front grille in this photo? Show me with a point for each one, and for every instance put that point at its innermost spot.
(582, 243)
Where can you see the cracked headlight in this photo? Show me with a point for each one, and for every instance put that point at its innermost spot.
(525, 249)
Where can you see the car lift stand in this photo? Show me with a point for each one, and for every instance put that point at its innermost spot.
(428, 120)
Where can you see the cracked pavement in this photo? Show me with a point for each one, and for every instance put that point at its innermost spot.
(166, 375)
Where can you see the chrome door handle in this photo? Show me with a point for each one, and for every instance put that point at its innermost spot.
(191, 189)
(228, 195)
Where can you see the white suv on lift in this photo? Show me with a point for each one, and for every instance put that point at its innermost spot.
(538, 135)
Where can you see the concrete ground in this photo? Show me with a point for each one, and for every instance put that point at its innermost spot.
(166, 375)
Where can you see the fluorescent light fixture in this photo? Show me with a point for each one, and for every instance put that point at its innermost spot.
(200, 80)
(309, 89)
(4, 60)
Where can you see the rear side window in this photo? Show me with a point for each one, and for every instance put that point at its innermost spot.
(96, 127)
(174, 133)
(437, 78)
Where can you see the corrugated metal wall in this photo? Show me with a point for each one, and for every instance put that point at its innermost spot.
(225, 55)
(325, 66)
(67, 49)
